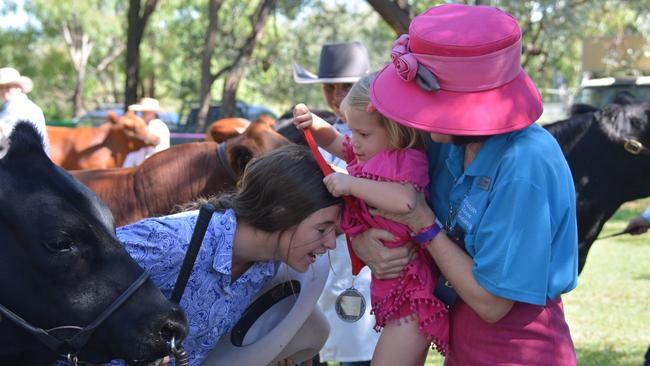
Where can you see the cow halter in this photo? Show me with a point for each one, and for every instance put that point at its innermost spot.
(223, 159)
(68, 347)
(635, 147)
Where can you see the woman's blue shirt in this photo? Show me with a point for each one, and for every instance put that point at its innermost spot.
(515, 204)
(212, 302)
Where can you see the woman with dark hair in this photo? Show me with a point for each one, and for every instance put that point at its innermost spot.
(280, 212)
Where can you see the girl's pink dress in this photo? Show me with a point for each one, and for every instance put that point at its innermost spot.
(397, 300)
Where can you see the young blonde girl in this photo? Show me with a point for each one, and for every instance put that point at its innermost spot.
(387, 168)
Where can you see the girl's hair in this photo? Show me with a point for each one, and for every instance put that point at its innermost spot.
(401, 137)
(278, 190)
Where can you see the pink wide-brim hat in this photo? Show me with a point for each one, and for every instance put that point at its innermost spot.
(458, 72)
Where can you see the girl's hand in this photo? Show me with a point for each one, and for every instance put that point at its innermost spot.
(339, 184)
(417, 218)
(302, 117)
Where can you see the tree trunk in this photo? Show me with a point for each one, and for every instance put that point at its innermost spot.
(79, 48)
(136, 26)
(397, 13)
(207, 78)
(229, 97)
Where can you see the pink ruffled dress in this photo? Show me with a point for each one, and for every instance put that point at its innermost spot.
(397, 300)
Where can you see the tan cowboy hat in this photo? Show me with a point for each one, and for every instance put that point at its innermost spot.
(146, 105)
(283, 322)
(9, 75)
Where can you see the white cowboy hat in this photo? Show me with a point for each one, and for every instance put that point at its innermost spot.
(283, 322)
(9, 75)
(146, 105)
(339, 63)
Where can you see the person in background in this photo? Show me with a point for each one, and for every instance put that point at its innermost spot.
(351, 344)
(158, 132)
(17, 106)
(502, 222)
(639, 224)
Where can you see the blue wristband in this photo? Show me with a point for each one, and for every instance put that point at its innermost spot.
(425, 235)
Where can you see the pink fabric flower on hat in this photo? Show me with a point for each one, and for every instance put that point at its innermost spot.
(405, 63)
(400, 47)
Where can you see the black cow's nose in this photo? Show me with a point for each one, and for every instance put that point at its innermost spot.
(175, 326)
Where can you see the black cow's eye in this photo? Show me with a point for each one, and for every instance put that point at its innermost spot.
(636, 122)
(59, 245)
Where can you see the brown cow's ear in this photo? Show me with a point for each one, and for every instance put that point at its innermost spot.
(240, 155)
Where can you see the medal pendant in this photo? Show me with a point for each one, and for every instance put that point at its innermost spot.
(350, 305)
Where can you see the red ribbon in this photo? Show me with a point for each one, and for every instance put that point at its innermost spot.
(357, 264)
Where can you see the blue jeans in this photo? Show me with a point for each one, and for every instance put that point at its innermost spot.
(356, 363)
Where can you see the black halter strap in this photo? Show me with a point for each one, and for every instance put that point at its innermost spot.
(202, 222)
(72, 345)
(223, 159)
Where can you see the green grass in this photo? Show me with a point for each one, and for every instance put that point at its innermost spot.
(609, 311)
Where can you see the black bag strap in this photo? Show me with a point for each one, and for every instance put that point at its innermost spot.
(205, 214)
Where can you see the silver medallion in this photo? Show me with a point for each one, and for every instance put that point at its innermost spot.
(350, 305)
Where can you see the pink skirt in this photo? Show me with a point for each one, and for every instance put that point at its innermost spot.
(528, 335)
(397, 300)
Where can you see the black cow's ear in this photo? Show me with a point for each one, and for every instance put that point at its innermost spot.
(239, 157)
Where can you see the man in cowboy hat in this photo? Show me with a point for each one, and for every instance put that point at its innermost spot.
(17, 107)
(342, 64)
(158, 132)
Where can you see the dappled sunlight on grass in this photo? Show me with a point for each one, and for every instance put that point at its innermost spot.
(608, 313)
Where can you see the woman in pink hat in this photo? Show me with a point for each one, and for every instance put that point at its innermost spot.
(501, 221)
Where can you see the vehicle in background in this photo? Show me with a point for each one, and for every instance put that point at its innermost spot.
(602, 91)
(98, 115)
(61, 123)
(182, 129)
(186, 130)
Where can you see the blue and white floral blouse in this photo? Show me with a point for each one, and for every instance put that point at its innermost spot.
(212, 303)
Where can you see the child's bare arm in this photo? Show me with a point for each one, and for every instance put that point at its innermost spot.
(388, 196)
(325, 135)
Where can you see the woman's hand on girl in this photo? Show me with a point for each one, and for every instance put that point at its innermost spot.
(302, 117)
(384, 262)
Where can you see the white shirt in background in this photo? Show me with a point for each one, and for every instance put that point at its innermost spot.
(20, 108)
(347, 342)
(157, 128)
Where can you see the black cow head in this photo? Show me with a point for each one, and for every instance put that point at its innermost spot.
(61, 265)
(627, 119)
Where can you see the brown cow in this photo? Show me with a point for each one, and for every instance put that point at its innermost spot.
(178, 175)
(100, 147)
(225, 128)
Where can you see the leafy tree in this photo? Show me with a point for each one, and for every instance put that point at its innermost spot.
(46, 51)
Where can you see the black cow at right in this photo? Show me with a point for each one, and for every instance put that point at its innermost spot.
(608, 151)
